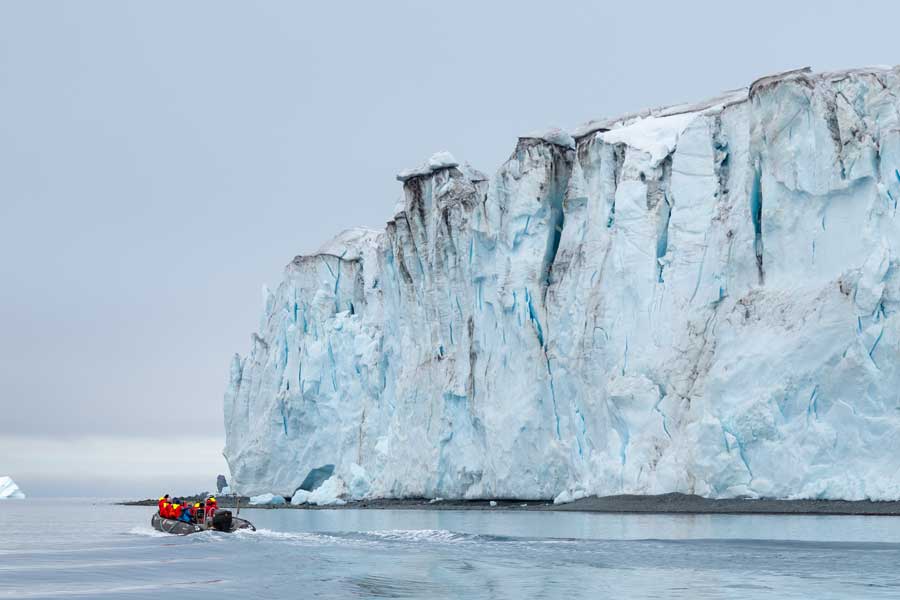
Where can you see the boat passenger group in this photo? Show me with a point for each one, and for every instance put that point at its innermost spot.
(178, 509)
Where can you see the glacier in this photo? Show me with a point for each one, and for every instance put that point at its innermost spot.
(700, 298)
(9, 489)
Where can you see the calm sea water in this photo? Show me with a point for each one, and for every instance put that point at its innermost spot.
(91, 549)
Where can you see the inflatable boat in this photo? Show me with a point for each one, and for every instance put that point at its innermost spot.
(222, 520)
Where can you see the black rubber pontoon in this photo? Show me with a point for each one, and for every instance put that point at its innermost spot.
(222, 520)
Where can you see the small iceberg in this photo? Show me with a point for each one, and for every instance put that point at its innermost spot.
(266, 500)
(330, 493)
(9, 489)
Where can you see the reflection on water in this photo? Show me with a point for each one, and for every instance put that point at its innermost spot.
(94, 550)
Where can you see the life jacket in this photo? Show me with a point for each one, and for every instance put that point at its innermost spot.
(195, 509)
(211, 508)
(165, 509)
(174, 511)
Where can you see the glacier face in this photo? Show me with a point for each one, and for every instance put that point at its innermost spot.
(699, 299)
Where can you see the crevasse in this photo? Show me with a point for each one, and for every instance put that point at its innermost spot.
(700, 298)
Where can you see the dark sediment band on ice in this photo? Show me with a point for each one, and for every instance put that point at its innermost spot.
(661, 504)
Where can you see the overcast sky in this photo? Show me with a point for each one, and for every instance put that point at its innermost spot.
(160, 161)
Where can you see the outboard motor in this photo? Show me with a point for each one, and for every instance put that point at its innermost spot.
(221, 520)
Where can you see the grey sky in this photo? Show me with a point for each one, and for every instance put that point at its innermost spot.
(160, 161)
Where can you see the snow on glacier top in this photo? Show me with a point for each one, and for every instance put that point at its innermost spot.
(806, 73)
(349, 244)
(719, 102)
(554, 135)
(775, 77)
(654, 130)
(439, 160)
(473, 174)
(657, 136)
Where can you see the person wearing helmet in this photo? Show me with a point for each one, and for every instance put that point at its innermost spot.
(211, 506)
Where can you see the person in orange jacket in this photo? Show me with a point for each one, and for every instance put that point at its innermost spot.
(163, 505)
(175, 509)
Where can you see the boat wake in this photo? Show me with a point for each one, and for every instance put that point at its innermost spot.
(147, 532)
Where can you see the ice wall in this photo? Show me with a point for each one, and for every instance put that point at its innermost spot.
(700, 299)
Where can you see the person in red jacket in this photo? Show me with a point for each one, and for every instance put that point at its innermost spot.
(211, 507)
(163, 506)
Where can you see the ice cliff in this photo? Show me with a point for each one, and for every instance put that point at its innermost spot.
(700, 298)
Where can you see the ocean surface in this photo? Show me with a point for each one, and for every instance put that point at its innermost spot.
(77, 548)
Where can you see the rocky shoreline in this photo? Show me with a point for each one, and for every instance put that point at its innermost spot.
(659, 504)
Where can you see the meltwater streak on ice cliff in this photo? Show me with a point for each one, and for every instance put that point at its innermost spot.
(698, 299)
